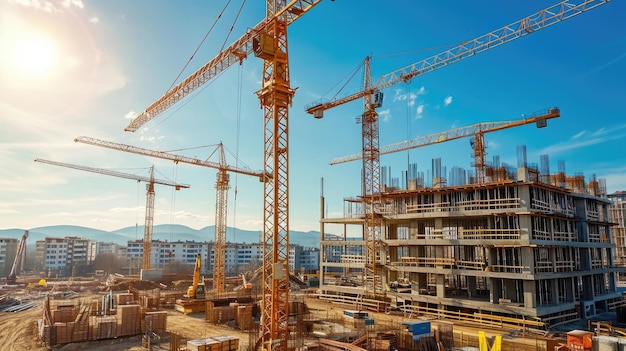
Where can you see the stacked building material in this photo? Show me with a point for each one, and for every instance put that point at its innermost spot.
(244, 317)
(215, 343)
(128, 320)
(103, 327)
(227, 342)
(156, 321)
(124, 299)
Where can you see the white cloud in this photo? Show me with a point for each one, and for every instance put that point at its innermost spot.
(385, 115)
(419, 111)
(94, 20)
(48, 6)
(447, 101)
(75, 3)
(578, 135)
(130, 115)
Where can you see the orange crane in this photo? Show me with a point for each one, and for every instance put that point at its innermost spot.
(268, 41)
(150, 181)
(477, 130)
(221, 194)
(19, 254)
(373, 97)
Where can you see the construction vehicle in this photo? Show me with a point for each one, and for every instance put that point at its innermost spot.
(19, 255)
(197, 290)
(195, 298)
(372, 95)
(150, 181)
(221, 195)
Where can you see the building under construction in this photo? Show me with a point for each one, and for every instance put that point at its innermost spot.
(524, 247)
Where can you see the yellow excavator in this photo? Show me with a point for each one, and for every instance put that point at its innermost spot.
(197, 290)
(195, 298)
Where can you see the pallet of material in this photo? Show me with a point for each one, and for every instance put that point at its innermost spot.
(227, 342)
(123, 298)
(156, 321)
(244, 317)
(203, 344)
(214, 343)
(128, 320)
(190, 306)
(63, 315)
(103, 327)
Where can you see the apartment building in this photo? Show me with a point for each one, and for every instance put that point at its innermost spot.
(164, 252)
(525, 247)
(62, 254)
(617, 216)
(238, 257)
(8, 250)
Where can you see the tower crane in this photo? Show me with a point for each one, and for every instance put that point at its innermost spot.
(150, 181)
(372, 99)
(221, 194)
(19, 254)
(477, 131)
(268, 41)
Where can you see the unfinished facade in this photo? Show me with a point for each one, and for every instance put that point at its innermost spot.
(617, 215)
(522, 251)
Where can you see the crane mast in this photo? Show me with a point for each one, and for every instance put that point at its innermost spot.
(476, 130)
(150, 181)
(373, 93)
(268, 41)
(221, 193)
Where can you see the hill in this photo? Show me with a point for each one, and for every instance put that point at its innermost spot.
(163, 232)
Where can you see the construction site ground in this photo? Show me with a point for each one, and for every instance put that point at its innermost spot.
(18, 330)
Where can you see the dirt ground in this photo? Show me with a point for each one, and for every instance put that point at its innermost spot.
(18, 330)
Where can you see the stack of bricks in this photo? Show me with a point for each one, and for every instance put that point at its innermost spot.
(104, 327)
(128, 320)
(215, 343)
(155, 320)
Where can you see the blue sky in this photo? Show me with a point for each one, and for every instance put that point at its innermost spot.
(84, 68)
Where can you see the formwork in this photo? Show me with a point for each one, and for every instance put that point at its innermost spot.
(79, 320)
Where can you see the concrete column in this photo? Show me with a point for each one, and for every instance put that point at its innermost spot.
(525, 225)
(509, 289)
(496, 290)
(471, 287)
(422, 282)
(530, 300)
(528, 258)
(554, 287)
(441, 286)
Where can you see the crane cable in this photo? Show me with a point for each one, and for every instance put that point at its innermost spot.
(183, 103)
(173, 207)
(238, 132)
(199, 45)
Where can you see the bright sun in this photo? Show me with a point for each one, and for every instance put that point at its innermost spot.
(33, 55)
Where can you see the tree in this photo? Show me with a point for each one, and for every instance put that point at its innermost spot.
(108, 262)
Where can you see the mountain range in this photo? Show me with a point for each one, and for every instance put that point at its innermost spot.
(163, 232)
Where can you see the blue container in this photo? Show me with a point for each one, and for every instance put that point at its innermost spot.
(418, 328)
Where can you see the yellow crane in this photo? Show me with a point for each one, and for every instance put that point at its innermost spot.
(221, 194)
(268, 41)
(150, 181)
(477, 131)
(372, 96)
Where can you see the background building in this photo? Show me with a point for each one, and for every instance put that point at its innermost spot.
(8, 249)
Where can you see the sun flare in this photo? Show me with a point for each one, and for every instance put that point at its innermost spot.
(33, 55)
